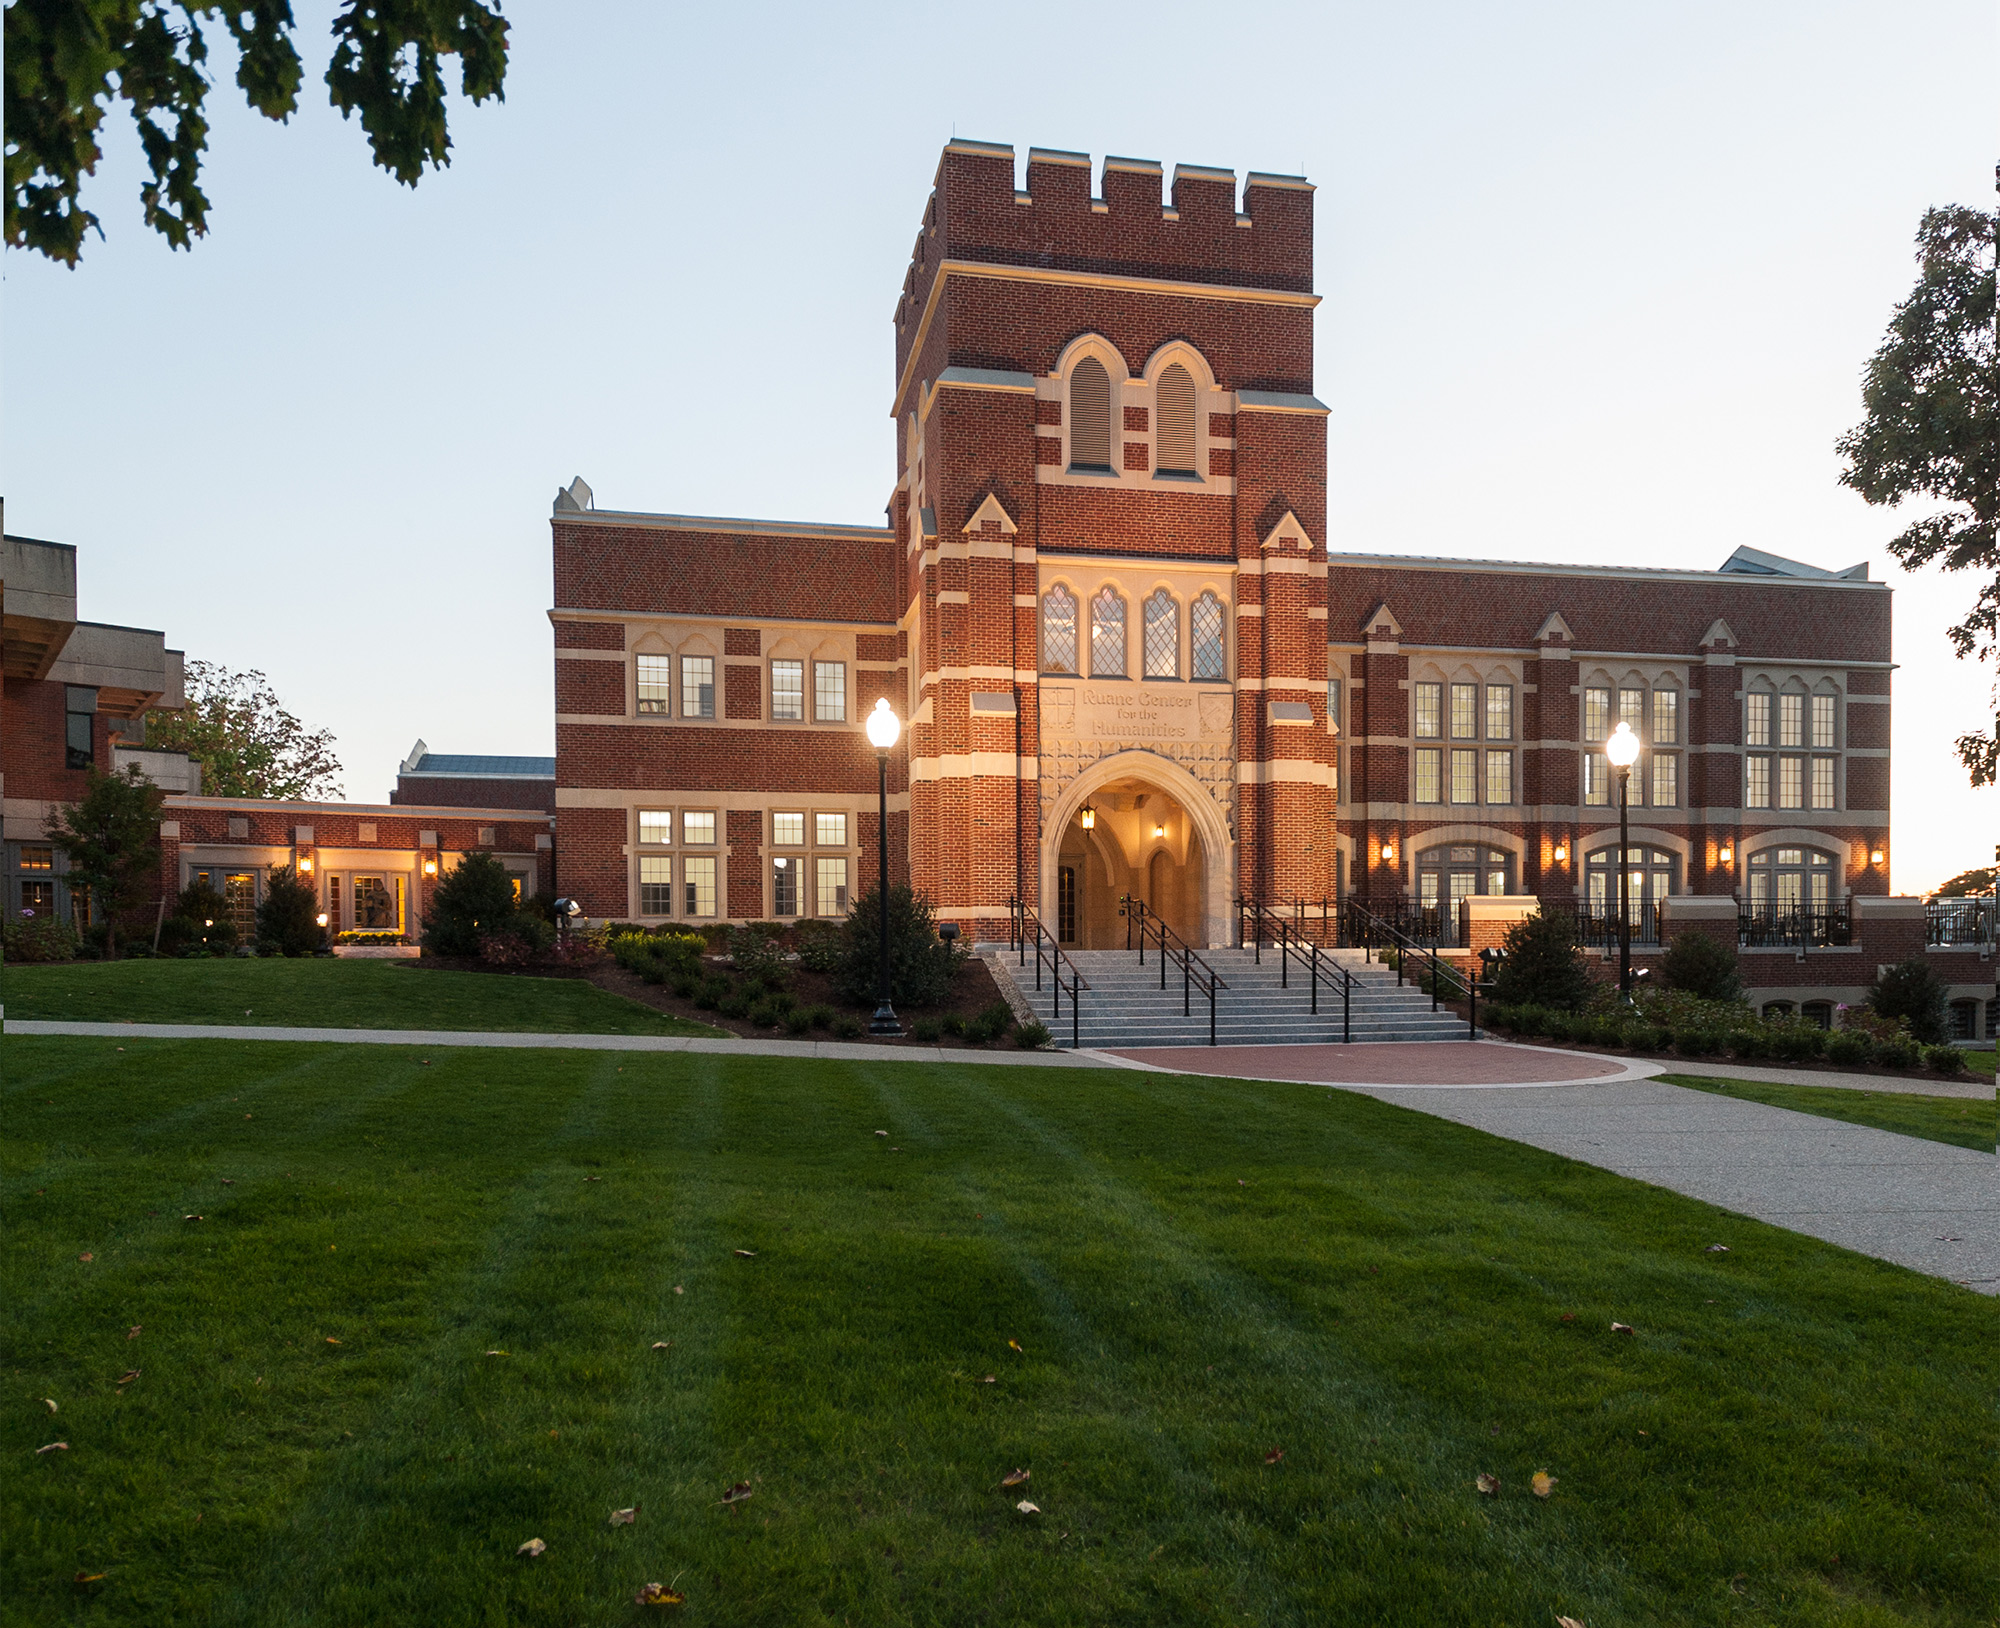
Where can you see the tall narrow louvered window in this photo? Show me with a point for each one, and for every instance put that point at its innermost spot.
(1058, 630)
(1163, 636)
(1205, 636)
(1089, 416)
(1107, 635)
(1174, 440)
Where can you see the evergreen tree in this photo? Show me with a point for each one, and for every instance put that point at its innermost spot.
(473, 900)
(1702, 964)
(1912, 990)
(111, 838)
(288, 919)
(1543, 966)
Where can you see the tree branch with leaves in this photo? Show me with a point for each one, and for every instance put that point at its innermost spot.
(247, 744)
(70, 62)
(1932, 430)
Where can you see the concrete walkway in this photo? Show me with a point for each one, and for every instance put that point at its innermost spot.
(1925, 1205)
(1937, 1085)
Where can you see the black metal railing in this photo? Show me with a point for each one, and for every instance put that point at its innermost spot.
(1142, 922)
(1970, 920)
(1430, 926)
(1597, 920)
(1363, 927)
(1776, 927)
(1258, 924)
(1028, 931)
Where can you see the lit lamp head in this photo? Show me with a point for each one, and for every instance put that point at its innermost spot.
(430, 867)
(306, 864)
(1088, 818)
(1159, 830)
(1623, 747)
(883, 726)
(1726, 854)
(321, 918)
(1875, 856)
(1388, 852)
(1562, 853)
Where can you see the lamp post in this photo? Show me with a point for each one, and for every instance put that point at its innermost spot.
(1623, 751)
(883, 728)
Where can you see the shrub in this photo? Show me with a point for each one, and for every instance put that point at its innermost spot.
(472, 900)
(764, 1015)
(846, 1026)
(820, 1016)
(757, 957)
(1703, 965)
(1945, 1060)
(39, 938)
(952, 1024)
(1695, 1042)
(798, 1020)
(711, 993)
(1897, 1053)
(820, 945)
(921, 965)
(1744, 1043)
(1911, 990)
(926, 1029)
(288, 917)
(1543, 966)
(1847, 1047)
(1031, 1036)
(1861, 1020)
(1796, 1042)
(202, 915)
(1530, 1021)
(686, 986)
(1649, 1037)
(735, 1004)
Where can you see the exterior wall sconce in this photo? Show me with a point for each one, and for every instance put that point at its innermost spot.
(1088, 818)
(1562, 853)
(1726, 854)
(1388, 852)
(1875, 856)
(430, 867)
(305, 864)
(1159, 830)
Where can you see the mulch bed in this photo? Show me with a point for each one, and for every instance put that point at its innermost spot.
(972, 992)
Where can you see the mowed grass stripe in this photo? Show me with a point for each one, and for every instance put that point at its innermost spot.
(1821, 1435)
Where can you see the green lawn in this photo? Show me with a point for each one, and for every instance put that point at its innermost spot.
(330, 994)
(1967, 1122)
(1167, 1278)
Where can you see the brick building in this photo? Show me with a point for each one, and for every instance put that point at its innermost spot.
(475, 780)
(1130, 661)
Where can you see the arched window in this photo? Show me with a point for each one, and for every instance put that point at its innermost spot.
(1205, 636)
(1447, 875)
(1090, 416)
(1163, 636)
(1059, 630)
(1107, 635)
(1173, 435)
(1787, 881)
(1653, 874)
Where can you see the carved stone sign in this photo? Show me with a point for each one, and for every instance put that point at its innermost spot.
(1114, 710)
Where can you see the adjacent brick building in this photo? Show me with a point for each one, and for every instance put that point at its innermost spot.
(1131, 661)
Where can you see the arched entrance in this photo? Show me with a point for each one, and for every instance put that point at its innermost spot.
(1143, 828)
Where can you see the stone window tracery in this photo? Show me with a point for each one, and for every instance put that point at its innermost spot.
(1107, 634)
(1059, 630)
(1163, 635)
(1205, 636)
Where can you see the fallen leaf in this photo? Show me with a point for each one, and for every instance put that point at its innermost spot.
(881, 1133)
(330, 1340)
(1015, 1345)
(593, 1178)
(1716, 1249)
(246, 1116)
(134, 1333)
(658, 1594)
(93, 1576)
(661, 1345)
(1542, 1484)
(1488, 1484)
(228, 1181)
(53, 1447)
(1027, 1508)
(1567, 1622)
(533, 1547)
(1013, 1478)
(990, 1379)
(496, 1353)
(50, 1402)
(1645, 1432)
(1569, 1317)
(747, 1254)
(679, 1290)
(737, 1493)
(128, 1376)
(86, 1256)
(624, 1517)
(1622, 1328)
(194, 1218)
(1274, 1455)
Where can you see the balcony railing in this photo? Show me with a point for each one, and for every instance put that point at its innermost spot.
(1597, 924)
(1769, 927)
(1968, 921)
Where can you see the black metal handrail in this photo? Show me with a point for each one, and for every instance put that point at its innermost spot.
(1426, 925)
(1028, 929)
(1254, 920)
(1787, 927)
(1596, 921)
(1195, 972)
(1968, 920)
(1360, 925)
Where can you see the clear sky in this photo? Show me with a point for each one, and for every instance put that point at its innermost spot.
(1599, 284)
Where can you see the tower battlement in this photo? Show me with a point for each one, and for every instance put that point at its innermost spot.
(1192, 233)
